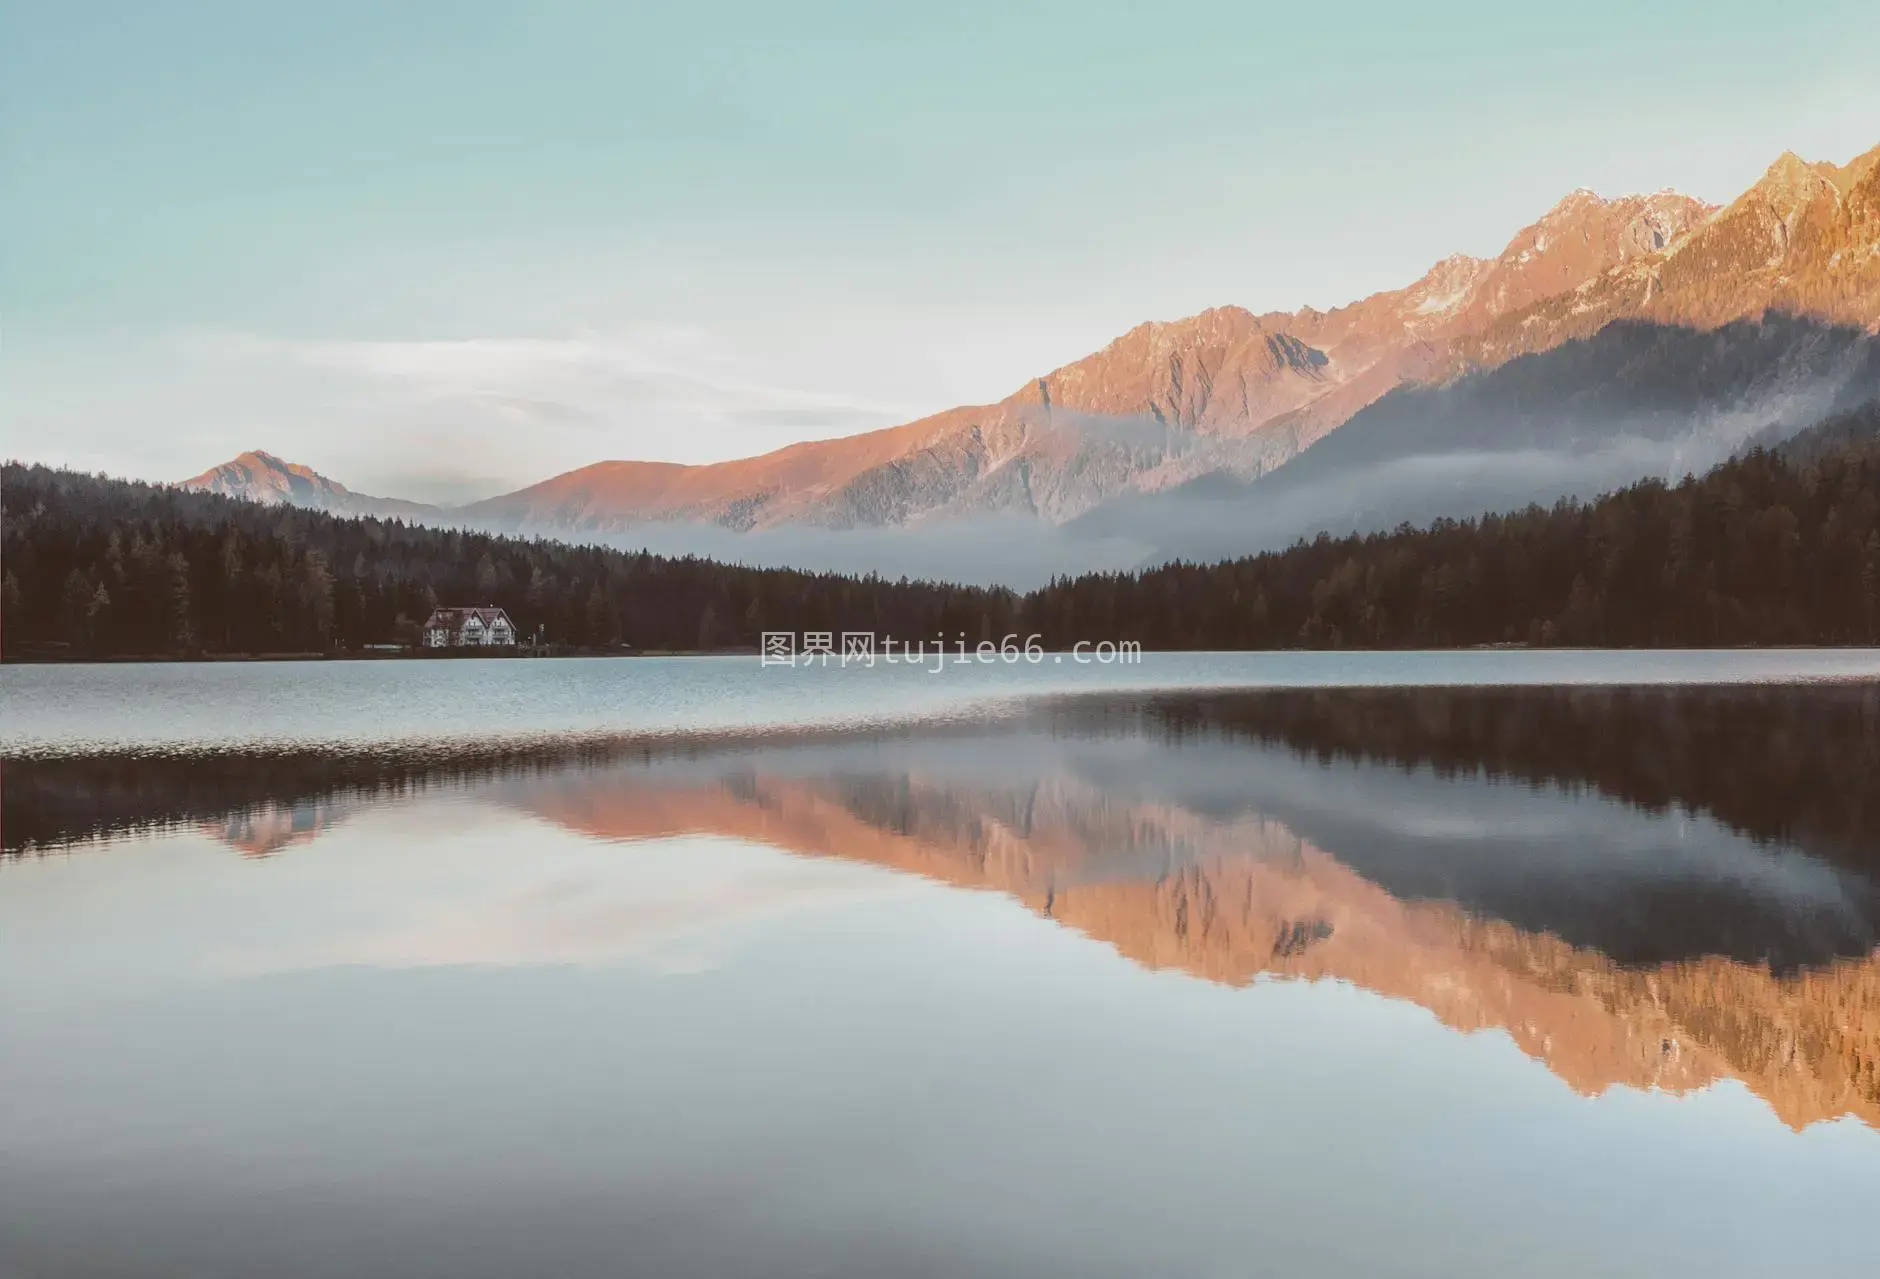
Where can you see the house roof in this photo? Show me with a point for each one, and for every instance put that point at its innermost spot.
(455, 619)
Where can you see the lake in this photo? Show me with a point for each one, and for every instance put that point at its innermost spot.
(1493, 963)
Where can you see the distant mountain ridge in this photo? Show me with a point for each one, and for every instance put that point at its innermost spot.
(262, 477)
(1224, 390)
(1594, 414)
(1227, 393)
(1805, 239)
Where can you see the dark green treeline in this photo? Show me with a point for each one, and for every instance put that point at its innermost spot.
(114, 568)
(1770, 548)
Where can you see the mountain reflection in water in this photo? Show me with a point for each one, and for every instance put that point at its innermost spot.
(1656, 888)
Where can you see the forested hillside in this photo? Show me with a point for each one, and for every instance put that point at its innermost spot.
(1772, 548)
(114, 568)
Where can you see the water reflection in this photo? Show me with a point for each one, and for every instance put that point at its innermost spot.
(1649, 888)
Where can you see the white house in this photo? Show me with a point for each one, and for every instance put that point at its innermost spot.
(468, 627)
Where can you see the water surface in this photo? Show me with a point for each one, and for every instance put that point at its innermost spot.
(53, 709)
(1405, 979)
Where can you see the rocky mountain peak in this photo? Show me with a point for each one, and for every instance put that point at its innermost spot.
(1572, 203)
(1202, 372)
(1661, 219)
(1574, 242)
(1214, 326)
(259, 476)
(1792, 183)
(1805, 239)
(1861, 169)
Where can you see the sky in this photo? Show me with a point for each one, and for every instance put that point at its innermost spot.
(438, 250)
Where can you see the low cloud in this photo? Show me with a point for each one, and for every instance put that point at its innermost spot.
(1018, 551)
(1299, 501)
(449, 421)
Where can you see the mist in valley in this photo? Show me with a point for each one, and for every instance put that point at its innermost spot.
(1633, 402)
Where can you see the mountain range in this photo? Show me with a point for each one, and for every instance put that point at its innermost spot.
(1651, 334)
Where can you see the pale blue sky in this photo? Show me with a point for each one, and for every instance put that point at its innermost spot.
(441, 247)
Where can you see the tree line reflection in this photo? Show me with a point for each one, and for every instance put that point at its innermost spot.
(1645, 887)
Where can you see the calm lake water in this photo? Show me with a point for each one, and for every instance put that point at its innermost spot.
(1426, 964)
(58, 709)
